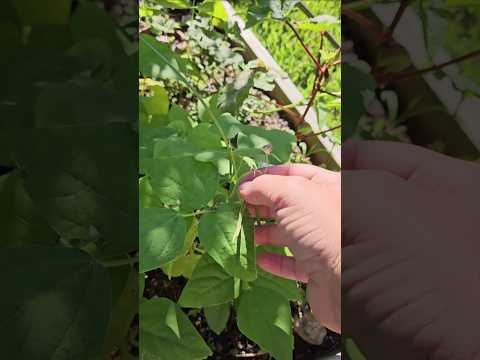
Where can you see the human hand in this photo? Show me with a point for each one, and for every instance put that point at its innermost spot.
(305, 202)
(411, 250)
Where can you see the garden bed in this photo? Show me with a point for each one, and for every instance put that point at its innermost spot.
(206, 109)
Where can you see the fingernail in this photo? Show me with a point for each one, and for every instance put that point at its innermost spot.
(244, 186)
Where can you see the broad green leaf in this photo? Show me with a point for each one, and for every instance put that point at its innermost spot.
(84, 185)
(179, 120)
(146, 196)
(149, 134)
(209, 285)
(282, 142)
(158, 61)
(22, 223)
(264, 316)
(214, 9)
(162, 234)
(355, 83)
(256, 14)
(284, 287)
(158, 102)
(157, 339)
(64, 311)
(217, 316)
(178, 178)
(208, 109)
(228, 242)
(205, 136)
(183, 266)
(236, 93)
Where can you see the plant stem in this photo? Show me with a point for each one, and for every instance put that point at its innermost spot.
(305, 47)
(321, 132)
(363, 21)
(406, 75)
(120, 262)
(200, 212)
(398, 15)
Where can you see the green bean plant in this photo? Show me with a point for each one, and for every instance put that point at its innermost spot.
(195, 145)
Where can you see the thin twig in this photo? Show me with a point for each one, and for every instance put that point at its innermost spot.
(321, 132)
(398, 15)
(406, 75)
(305, 47)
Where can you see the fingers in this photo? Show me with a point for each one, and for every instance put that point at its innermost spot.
(280, 265)
(372, 201)
(260, 212)
(269, 235)
(301, 170)
(273, 191)
(397, 158)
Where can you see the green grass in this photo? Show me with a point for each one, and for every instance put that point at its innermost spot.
(288, 52)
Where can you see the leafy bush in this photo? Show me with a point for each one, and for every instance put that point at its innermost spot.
(196, 143)
(288, 52)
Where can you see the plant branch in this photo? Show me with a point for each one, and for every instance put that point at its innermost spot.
(387, 36)
(305, 47)
(321, 132)
(407, 75)
(364, 21)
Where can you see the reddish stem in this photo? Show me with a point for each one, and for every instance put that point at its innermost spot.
(407, 75)
(305, 47)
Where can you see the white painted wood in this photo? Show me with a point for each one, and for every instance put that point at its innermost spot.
(409, 34)
(285, 89)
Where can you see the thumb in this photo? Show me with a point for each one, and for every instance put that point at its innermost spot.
(273, 191)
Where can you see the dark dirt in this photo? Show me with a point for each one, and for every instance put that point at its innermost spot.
(231, 344)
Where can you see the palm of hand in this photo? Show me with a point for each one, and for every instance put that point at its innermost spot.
(401, 273)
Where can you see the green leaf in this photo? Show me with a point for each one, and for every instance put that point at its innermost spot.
(64, 311)
(282, 142)
(208, 109)
(236, 93)
(186, 262)
(158, 61)
(149, 134)
(162, 234)
(217, 316)
(84, 186)
(183, 266)
(256, 14)
(228, 242)
(179, 120)
(157, 339)
(158, 102)
(178, 178)
(205, 137)
(21, 222)
(284, 287)
(210, 285)
(265, 317)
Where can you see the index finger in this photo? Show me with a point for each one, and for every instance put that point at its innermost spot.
(301, 170)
